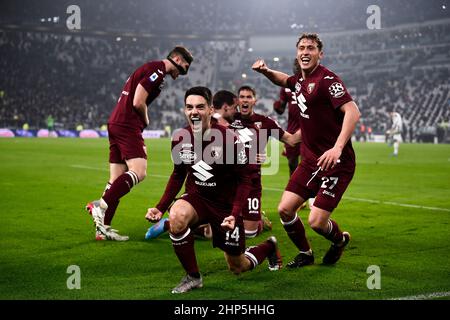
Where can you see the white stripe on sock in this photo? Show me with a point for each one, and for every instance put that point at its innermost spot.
(289, 222)
(182, 237)
(251, 233)
(330, 227)
(252, 258)
(133, 177)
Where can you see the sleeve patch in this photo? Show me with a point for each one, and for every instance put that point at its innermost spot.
(336, 90)
(153, 77)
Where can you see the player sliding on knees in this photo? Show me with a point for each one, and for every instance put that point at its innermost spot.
(128, 154)
(216, 175)
(328, 117)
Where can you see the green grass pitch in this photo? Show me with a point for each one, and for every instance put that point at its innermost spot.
(397, 210)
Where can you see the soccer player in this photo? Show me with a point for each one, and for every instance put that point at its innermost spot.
(288, 98)
(328, 117)
(128, 154)
(395, 132)
(215, 192)
(266, 127)
(224, 103)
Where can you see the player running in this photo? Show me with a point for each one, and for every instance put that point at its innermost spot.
(328, 117)
(216, 175)
(127, 151)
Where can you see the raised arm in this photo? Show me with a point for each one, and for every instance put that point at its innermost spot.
(277, 77)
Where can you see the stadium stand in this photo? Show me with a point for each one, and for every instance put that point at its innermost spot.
(76, 77)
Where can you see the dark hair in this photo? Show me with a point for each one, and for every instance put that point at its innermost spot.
(199, 91)
(183, 52)
(248, 88)
(223, 96)
(311, 36)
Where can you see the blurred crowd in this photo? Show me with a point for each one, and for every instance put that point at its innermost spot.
(77, 78)
(231, 16)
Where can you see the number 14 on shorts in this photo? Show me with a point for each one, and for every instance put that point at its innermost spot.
(233, 234)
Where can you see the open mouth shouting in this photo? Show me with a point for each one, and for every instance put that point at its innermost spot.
(196, 123)
(305, 61)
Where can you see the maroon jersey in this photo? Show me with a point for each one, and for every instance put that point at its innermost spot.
(266, 127)
(151, 77)
(289, 97)
(210, 175)
(319, 98)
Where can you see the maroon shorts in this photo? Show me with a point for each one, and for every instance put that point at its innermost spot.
(125, 143)
(232, 242)
(328, 187)
(292, 152)
(252, 208)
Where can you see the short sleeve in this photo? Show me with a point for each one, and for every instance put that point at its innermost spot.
(336, 91)
(291, 81)
(151, 81)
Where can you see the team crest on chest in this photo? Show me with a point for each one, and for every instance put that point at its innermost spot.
(311, 87)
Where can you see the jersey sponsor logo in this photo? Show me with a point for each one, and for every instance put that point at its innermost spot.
(188, 156)
(311, 87)
(202, 169)
(237, 124)
(328, 77)
(336, 90)
(160, 71)
(301, 102)
(298, 87)
(258, 124)
(245, 135)
(153, 77)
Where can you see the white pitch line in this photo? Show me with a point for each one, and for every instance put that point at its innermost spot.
(281, 190)
(106, 170)
(381, 202)
(429, 296)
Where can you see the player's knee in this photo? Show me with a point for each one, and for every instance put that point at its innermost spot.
(141, 174)
(317, 224)
(285, 213)
(178, 221)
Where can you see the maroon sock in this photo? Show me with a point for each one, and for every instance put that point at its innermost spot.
(257, 254)
(109, 213)
(183, 244)
(297, 234)
(120, 187)
(333, 233)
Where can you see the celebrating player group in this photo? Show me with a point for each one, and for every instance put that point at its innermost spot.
(218, 157)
